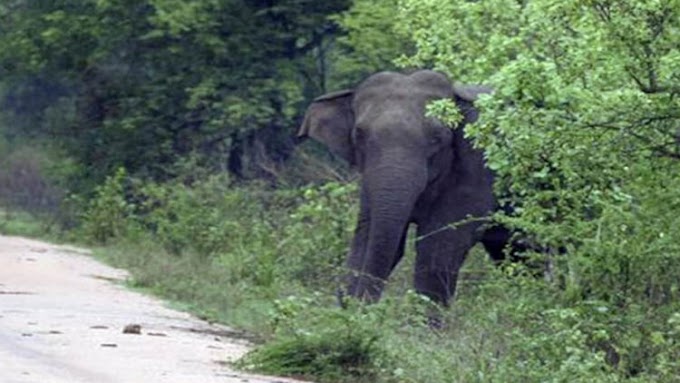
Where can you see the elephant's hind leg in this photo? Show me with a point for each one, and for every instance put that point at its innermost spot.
(496, 240)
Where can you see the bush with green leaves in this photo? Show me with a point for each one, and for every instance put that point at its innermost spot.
(250, 241)
(317, 234)
(108, 214)
(582, 127)
(582, 132)
(203, 217)
(291, 235)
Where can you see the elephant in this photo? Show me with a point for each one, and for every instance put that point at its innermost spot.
(414, 170)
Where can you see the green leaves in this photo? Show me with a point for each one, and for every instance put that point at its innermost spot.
(372, 39)
(159, 80)
(582, 134)
(446, 111)
(108, 213)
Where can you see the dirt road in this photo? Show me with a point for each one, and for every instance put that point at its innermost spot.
(62, 318)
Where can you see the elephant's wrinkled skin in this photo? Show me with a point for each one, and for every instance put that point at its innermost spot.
(414, 170)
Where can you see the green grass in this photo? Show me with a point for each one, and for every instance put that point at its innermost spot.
(189, 282)
(22, 224)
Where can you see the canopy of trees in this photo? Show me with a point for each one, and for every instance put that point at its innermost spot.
(142, 84)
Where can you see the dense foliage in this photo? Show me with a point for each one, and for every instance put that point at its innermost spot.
(142, 84)
(136, 124)
(582, 129)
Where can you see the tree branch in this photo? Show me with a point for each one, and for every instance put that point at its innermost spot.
(662, 149)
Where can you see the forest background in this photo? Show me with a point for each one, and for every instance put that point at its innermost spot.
(163, 133)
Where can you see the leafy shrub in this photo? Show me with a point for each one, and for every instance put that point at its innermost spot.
(202, 217)
(582, 133)
(108, 214)
(317, 233)
(198, 238)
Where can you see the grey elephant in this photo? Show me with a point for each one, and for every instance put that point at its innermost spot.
(414, 170)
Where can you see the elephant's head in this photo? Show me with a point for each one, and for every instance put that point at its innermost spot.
(406, 159)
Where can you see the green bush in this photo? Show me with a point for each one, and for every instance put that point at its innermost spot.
(317, 233)
(221, 245)
(204, 217)
(108, 214)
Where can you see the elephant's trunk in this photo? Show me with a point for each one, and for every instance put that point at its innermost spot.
(391, 191)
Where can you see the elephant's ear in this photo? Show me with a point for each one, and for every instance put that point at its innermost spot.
(329, 120)
(470, 92)
(465, 96)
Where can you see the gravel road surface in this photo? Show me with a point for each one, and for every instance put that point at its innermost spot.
(64, 317)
